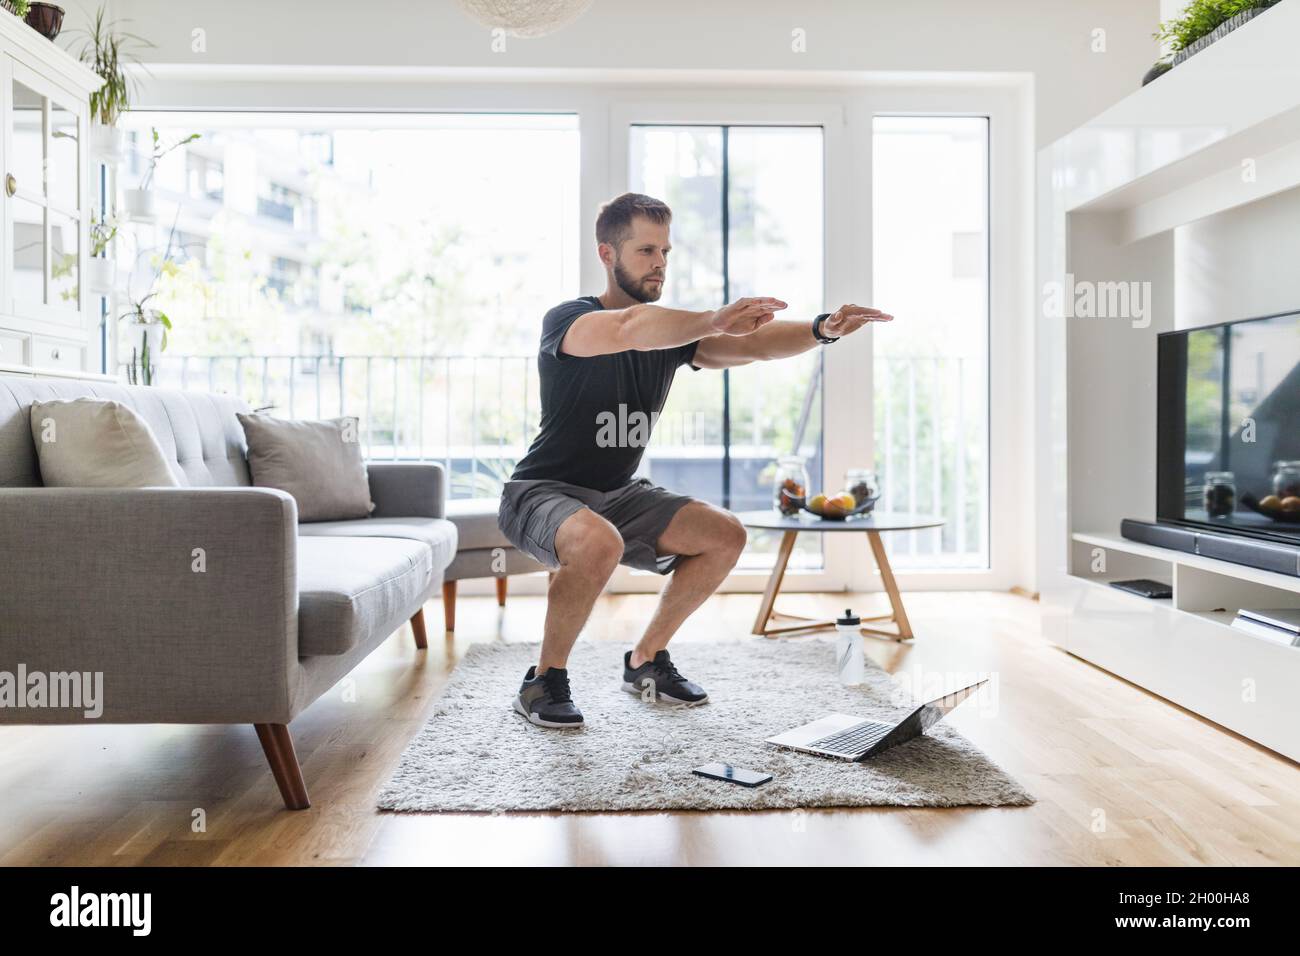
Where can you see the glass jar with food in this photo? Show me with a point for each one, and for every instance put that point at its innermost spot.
(1286, 479)
(1220, 494)
(863, 485)
(790, 490)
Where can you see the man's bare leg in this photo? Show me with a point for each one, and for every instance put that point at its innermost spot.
(711, 541)
(589, 549)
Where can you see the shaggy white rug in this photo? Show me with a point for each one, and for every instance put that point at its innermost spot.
(476, 754)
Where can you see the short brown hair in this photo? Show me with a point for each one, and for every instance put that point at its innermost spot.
(614, 221)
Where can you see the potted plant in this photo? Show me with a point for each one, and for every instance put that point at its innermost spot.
(147, 335)
(101, 270)
(18, 8)
(45, 18)
(1201, 24)
(109, 52)
(140, 201)
(147, 327)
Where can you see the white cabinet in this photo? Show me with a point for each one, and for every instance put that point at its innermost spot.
(46, 320)
(1114, 199)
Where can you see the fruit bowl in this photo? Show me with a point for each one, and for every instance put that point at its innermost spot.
(1285, 509)
(837, 507)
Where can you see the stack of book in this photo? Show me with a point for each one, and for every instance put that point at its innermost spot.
(1274, 624)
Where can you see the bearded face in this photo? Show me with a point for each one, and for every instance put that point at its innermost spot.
(641, 261)
(647, 287)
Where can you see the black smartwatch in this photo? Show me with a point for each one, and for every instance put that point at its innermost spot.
(817, 329)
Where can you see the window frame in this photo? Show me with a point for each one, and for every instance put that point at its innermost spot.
(727, 129)
(829, 118)
(605, 100)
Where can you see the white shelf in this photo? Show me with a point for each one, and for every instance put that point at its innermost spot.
(1215, 617)
(1283, 582)
(31, 47)
(1104, 583)
(1173, 151)
(1245, 81)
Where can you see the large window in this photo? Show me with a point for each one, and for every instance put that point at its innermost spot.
(930, 265)
(747, 220)
(396, 268)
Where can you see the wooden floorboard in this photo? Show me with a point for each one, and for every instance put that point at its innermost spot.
(1122, 777)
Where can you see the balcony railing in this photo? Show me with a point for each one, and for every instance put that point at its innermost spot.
(478, 414)
(931, 433)
(273, 209)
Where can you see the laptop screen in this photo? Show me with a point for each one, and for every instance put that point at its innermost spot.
(942, 705)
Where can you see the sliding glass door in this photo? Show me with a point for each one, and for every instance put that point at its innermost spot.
(748, 212)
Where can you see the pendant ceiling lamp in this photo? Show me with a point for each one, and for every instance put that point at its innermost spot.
(526, 18)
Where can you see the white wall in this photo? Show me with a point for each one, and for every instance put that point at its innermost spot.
(1171, 8)
(1052, 39)
(1240, 263)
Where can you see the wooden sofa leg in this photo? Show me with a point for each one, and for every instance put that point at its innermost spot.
(501, 591)
(449, 604)
(417, 628)
(278, 747)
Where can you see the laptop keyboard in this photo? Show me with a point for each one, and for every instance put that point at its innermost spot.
(853, 740)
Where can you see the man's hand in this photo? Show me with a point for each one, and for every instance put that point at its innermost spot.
(746, 315)
(850, 318)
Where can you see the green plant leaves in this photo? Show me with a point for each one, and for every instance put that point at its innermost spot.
(108, 52)
(1201, 18)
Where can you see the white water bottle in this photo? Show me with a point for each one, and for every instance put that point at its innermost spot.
(851, 661)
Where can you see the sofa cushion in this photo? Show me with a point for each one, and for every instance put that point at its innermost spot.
(97, 443)
(476, 523)
(196, 429)
(438, 533)
(350, 588)
(318, 462)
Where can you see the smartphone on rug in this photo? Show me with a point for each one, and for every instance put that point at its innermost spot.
(725, 771)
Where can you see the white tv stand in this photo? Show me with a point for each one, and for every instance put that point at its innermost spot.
(1219, 132)
(1185, 649)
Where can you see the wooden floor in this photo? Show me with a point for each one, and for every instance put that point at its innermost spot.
(1121, 777)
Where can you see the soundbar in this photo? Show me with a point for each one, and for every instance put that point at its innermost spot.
(1160, 535)
(1253, 554)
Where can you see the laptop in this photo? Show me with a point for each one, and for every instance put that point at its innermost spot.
(1284, 619)
(846, 737)
(1281, 625)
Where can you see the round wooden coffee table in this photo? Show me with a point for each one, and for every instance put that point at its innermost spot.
(874, 525)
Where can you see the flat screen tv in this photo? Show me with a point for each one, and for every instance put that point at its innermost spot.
(1228, 428)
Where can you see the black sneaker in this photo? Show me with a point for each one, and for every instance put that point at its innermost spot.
(546, 701)
(661, 678)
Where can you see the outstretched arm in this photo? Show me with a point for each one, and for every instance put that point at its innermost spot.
(782, 339)
(644, 327)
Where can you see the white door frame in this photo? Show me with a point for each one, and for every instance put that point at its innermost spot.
(847, 121)
(829, 116)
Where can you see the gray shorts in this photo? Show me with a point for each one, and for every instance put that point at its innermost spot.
(532, 511)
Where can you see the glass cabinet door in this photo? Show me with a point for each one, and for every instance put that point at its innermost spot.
(42, 184)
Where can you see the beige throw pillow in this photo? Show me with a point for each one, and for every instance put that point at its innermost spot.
(97, 443)
(319, 463)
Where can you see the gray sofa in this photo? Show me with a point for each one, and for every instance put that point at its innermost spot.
(207, 603)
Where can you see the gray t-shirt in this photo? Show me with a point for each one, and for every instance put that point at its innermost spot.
(597, 412)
